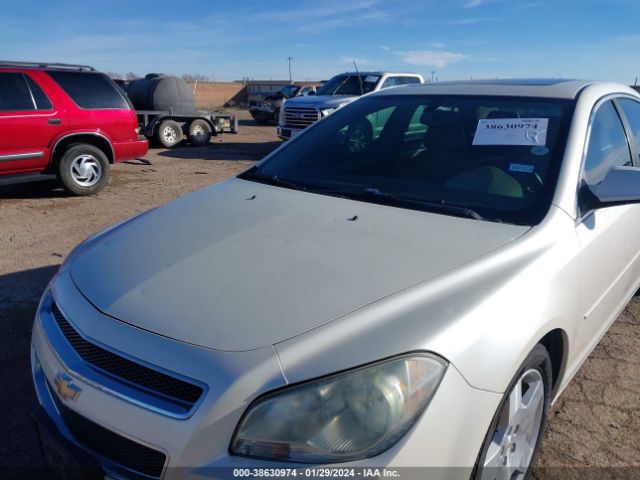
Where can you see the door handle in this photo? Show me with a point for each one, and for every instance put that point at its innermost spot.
(54, 121)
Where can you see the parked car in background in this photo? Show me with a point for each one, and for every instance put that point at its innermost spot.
(268, 110)
(419, 302)
(64, 120)
(300, 112)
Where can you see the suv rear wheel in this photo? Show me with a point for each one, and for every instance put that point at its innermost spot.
(83, 169)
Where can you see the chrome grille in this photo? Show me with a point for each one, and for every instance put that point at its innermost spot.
(126, 370)
(300, 117)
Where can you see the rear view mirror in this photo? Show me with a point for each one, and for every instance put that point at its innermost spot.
(621, 186)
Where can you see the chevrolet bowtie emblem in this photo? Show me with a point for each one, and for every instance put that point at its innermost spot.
(65, 387)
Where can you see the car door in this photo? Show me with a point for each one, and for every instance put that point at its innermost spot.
(28, 122)
(609, 238)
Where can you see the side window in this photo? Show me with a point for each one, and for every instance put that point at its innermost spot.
(607, 147)
(14, 93)
(631, 110)
(408, 80)
(390, 82)
(305, 91)
(416, 128)
(379, 119)
(41, 99)
(90, 90)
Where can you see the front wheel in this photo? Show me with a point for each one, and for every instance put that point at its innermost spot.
(513, 439)
(83, 169)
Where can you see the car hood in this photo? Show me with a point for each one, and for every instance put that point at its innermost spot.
(320, 100)
(242, 265)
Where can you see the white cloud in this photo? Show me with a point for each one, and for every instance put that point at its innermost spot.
(430, 58)
(437, 45)
(468, 21)
(477, 3)
(630, 38)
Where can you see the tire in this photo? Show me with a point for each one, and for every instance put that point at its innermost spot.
(275, 117)
(199, 133)
(83, 169)
(500, 457)
(169, 134)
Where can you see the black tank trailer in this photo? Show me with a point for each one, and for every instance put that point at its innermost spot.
(167, 112)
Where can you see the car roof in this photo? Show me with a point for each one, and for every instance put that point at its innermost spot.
(46, 66)
(548, 88)
(381, 73)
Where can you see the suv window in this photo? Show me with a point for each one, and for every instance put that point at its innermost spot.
(607, 147)
(306, 90)
(393, 81)
(289, 91)
(408, 80)
(39, 97)
(390, 82)
(90, 90)
(631, 110)
(14, 93)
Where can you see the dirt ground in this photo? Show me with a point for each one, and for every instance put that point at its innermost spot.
(593, 430)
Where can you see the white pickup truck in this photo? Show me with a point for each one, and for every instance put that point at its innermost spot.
(298, 113)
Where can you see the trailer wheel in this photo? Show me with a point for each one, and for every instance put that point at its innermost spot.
(169, 134)
(199, 133)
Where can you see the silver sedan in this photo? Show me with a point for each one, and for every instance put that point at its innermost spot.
(411, 282)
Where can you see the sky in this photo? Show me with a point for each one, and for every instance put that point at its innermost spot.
(231, 40)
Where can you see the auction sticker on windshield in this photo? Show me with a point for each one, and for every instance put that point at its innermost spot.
(511, 131)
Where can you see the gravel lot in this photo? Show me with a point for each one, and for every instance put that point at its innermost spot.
(595, 424)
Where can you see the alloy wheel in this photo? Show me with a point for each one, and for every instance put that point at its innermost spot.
(516, 436)
(86, 170)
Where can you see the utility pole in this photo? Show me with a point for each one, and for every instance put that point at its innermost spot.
(290, 77)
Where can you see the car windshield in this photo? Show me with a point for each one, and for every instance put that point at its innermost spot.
(490, 158)
(346, 84)
(289, 91)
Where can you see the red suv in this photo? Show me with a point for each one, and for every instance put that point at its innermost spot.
(67, 120)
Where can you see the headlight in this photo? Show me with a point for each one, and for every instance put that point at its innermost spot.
(267, 107)
(281, 116)
(347, 416)
(326, 111)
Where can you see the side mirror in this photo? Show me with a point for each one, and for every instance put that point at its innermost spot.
(621, 186)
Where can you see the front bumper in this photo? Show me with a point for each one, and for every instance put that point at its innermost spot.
(262, 114)
(285, 133)
(446, 439)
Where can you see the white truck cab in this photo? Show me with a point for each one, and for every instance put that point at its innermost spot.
(298, 113)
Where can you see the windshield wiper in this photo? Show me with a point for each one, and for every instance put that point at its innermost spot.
(387, 198)
(271, 180)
